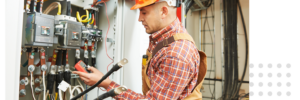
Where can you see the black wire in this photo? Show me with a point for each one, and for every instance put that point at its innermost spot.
(246, 41)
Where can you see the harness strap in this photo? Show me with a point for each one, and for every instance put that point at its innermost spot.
(166, 42)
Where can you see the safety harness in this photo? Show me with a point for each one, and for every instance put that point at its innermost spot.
(196, 94)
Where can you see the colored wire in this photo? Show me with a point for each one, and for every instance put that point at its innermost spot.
(87, 19)
(78, 17)
(53, 6)
(93, 18)
(90, 17)
(55, 96)
(106, 36)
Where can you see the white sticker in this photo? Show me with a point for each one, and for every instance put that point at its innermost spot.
(63, 86)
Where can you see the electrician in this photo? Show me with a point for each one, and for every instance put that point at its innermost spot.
(172, 68)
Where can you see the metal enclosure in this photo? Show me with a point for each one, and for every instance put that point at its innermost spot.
(38, 29)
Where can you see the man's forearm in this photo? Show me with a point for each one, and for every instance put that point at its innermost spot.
(128, 95)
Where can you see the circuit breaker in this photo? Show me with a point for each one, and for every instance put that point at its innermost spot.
(38, 29)
(68, 32)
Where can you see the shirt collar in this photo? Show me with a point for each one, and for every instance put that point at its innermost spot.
(166, 31)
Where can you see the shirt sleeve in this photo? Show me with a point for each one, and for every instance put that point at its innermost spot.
(168, 82)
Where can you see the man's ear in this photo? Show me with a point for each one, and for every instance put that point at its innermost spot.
(164, 12)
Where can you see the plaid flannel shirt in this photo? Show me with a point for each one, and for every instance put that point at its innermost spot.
(172, 71)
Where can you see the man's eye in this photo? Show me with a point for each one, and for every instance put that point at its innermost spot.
(144, 13)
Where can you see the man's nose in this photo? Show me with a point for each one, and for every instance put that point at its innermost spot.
(140, 18)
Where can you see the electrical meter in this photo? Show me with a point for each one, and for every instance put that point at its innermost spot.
(67, 32)
(38, 29)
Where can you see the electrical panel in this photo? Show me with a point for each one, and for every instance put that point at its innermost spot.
(52, 44)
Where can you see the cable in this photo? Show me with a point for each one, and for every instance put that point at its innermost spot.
(106, 36)
(44, 98)
(86, 94)
(60, 95)
(93, 18)
(246, 42)
(56, 96)
(113, 69)
(31, 85)
(53, 6)
(47, 94)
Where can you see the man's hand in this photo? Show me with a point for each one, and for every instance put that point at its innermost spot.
(92, 78)
(95, 2)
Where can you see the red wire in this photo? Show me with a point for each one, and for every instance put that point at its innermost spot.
(94, 19)
(106, 36)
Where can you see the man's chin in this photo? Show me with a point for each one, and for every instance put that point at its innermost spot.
(149, 32)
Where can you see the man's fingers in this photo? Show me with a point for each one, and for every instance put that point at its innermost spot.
(84, 79)
(81, 74)
(92, 69)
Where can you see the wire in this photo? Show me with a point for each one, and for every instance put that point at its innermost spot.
(93, 20)
(86, 94)
(44, 98)
(94, 17)
(87, 19)
(31, 86)
(246, 41)
(56, 96)
(60, 95)
(106, 36)
(47, 94)
(53, 6)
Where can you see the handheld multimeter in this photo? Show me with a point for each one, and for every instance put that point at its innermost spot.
(81, 66)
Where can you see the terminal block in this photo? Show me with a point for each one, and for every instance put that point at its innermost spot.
(38, 29)
(91, 34)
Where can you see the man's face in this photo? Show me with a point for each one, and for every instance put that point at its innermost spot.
(150, 18)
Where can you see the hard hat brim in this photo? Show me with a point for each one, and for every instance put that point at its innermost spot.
(137, 6)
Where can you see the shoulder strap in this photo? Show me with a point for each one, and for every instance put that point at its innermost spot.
(166, 42)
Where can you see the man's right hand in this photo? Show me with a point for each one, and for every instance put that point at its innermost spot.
(95, 2)
(92, 78)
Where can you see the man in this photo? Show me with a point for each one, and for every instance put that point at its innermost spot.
(173, 69)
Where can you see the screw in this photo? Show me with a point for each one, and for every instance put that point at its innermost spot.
(22, 92)
(37, 90)
(31, 68)
(37, 80)
(22, 82)
(31, 57)
(44, 67)
(43, 57)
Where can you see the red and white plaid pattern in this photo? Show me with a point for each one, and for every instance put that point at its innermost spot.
(172, 71)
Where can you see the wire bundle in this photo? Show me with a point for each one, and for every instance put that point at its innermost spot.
(53, 6)
(190, 3)
(231, 80)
